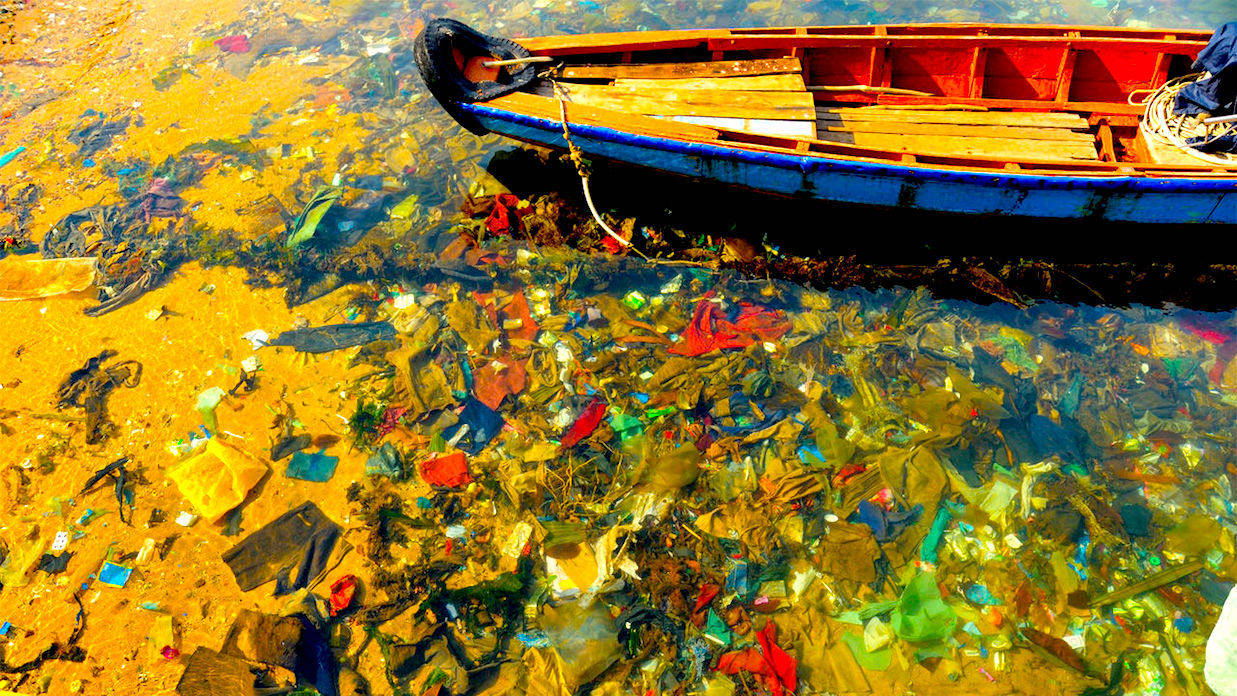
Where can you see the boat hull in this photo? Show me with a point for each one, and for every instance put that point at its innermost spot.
(1134, 199)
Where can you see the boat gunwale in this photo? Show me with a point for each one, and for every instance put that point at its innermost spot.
(974, 163)
(570, 44)
(1128, 181)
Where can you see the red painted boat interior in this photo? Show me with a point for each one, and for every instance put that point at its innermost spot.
(1097, 73)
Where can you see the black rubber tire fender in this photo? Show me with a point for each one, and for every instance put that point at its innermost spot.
(435, 59)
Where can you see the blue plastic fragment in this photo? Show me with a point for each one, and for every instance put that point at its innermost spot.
(1080, 556)
(384, 462)
(114, 575)
(4, 628)
(9, 157)
(318, 467)
(1185, 624)
(979, 594)
(534, 639)
(811, 455)
(483, 424)
(736, 581)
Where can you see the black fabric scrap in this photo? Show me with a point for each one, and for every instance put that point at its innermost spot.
(324, 339)
(51, 563)
(289, 445)
(116, 470)
(290, 642)
(209, 673)
(292, 550)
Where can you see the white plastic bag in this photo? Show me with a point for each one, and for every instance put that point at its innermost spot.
(1221, 668)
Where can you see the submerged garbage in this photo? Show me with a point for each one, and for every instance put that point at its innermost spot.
(491, 463)
(700, 483)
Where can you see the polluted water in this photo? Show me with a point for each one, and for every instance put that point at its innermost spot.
(297, 396)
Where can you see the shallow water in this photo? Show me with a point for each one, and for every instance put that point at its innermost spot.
(1080, 448)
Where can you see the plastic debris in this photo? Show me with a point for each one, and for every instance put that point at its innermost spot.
(114, 574)
(218, 478)
(26, 278)
(317, 466)
(1221, 660)
(324, 339)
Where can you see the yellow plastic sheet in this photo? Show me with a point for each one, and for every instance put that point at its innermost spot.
(28, 278)
(218, 478)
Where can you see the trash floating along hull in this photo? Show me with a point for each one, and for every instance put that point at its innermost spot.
(1028, 121)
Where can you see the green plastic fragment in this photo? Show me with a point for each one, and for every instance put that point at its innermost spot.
(929, 551)
(717, 629)
(307, 222)
(878, 660)
(922, 616)
(634, 300)
(208, 401)
(405, 208)
(626, 426)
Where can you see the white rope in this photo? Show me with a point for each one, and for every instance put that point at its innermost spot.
(1161, 125)
(577, 158)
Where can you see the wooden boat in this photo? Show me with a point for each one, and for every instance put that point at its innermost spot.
(1031, 121)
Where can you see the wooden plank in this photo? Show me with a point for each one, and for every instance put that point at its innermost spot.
(661, 71)
(756, 126)
(979, 62)
(1065, 77)
(756, 83)
(955, 130)
(548, 108)
(966, 146)
(1164, 153)
(996, 118)
(668, 102)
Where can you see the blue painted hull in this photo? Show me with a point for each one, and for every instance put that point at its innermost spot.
(1132, 199)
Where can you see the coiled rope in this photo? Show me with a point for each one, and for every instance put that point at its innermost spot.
(1161, 125)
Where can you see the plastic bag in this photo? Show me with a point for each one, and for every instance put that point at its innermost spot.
(1220, 670)
(26, 278)
(921, 615)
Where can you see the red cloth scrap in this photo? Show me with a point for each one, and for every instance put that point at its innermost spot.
(233, 44)
(342, 592)
(450, 471)
(584, 426)
(707, 594)
(770, 664)
(498, 378)
(708, 331)
(518, 309)
(505, 217)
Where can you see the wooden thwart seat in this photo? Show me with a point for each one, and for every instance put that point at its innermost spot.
(1015, 135)
(765, 96)
(662, 71)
